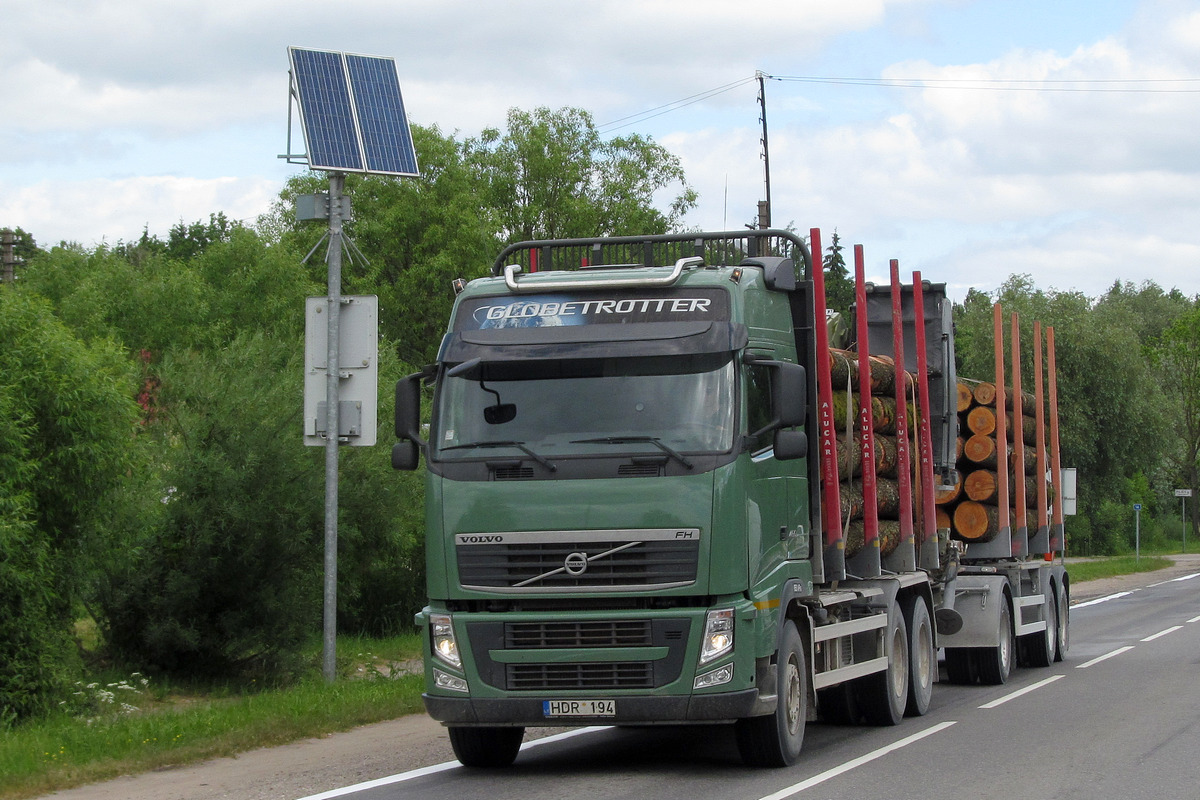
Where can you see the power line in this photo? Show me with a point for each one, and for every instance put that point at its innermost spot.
(1089, 85)
(1082, 85)
(666, 108)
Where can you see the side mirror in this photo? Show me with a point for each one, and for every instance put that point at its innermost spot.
(408, 407)
(790, 390)
(406, 455)
(790, 445)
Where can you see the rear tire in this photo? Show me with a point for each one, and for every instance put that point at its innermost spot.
(883, 696)
(1039, 648)
(1063, 628)
(960, 666)
(995, 663)
(775, 740)
(486, 747)
(922, 659)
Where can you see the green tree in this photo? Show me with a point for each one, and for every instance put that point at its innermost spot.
(224, 579)
(1112, 410)
(66, 424)
(552, 175)
(839, 286)
(1177, 354)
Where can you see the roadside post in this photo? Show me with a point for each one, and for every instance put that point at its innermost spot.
(1137, 533)
(1183, 495)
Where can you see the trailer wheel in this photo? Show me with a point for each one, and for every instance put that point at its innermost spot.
(774, 740)
(486, 747)
(1063, 622)
(884, 695)
(961, 666)
(995, 663)
(1038, 648)
(837, 705)
(921, 655)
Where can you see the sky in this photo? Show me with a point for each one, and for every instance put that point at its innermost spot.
(970, 139)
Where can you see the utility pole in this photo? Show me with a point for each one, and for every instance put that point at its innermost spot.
(7, 240)
(764, 208)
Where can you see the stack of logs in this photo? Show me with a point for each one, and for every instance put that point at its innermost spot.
(844, 380)
(970, 509)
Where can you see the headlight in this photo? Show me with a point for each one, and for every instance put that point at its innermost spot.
(445, 646)
(718, 635)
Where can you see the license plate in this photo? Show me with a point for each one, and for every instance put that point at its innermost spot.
(579, 708)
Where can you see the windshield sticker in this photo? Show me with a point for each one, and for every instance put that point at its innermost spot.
(557, 310)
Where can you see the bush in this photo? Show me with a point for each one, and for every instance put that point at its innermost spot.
(225, 580)
(66, 424)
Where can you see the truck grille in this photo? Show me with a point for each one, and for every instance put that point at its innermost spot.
(507, 653)
(574, 561)
(580, 676)
(534, 635)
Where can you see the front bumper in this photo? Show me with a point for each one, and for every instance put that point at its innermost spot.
(722, 707)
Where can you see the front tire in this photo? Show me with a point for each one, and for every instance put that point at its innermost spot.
(486, 747)
(775, 740)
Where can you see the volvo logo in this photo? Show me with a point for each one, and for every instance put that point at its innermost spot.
(576, 564)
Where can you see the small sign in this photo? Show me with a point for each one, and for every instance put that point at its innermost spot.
(1137, 506)
(1183, 492)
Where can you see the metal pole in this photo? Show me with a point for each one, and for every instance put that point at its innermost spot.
(1183, 520)
(337, 182)
(765, 220)
(1137, 534)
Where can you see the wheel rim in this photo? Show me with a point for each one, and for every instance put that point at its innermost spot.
(793, 696)
(922, 659)
(899, 671)
(1006, 641)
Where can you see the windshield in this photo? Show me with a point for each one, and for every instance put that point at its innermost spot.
(680, 404)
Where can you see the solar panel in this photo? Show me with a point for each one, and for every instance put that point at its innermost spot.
(352, 113)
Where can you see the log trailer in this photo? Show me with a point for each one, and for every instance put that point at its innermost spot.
(638, 514)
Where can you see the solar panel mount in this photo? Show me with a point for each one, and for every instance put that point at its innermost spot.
(352, 113)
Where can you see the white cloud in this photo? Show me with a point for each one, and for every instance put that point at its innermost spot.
(93, 211)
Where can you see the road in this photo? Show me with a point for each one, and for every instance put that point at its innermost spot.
(1120, 718)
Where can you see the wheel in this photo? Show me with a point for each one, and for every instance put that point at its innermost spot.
(883, 696)
(960, 666)
(995, 663)
(775, 740)
(486, 747)
(1063, 603)
(1038, 648)
(837, 705)
(922, 660)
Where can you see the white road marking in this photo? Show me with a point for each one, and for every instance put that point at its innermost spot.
(857, 762)
(1014, 695)
(1152, 637)
(1104, 657)
(1104, 599)
(431, 770)
(1175, 580)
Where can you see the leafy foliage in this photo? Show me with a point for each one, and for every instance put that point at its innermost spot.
(225, 579)
(66, 420)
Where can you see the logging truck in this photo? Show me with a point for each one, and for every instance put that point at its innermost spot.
(655, 494)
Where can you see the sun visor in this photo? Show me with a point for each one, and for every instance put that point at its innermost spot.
(630, 340)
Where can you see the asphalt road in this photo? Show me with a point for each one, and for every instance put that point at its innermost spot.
(1120, 718)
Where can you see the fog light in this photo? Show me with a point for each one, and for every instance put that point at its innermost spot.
(714, 678)
(453, 683)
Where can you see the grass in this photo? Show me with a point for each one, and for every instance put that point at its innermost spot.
(174, 727)
(1115, 565)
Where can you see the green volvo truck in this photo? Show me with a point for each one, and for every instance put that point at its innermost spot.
(633, 511)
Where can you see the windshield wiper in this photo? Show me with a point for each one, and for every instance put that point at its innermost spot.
(519, 445)
(654, 440)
